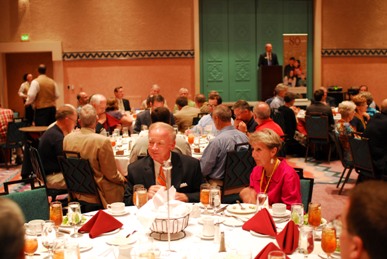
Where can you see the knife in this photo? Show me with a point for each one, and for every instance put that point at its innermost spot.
(221, 209)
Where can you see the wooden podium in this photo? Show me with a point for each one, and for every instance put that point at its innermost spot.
(268, 78)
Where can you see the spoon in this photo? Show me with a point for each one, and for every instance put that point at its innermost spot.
(240, 205)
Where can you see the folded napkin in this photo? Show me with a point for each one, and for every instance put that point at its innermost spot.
(100, 223)
(262, 223)
(288, 238)
(266, 250)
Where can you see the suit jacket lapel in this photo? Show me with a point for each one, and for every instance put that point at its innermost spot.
(149, 174)
(177, 167)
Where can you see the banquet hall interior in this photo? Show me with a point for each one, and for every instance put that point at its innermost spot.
(201, 45)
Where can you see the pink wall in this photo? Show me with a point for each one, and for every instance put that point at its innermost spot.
(136, 76)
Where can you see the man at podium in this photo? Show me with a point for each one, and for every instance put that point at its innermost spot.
(268, 58)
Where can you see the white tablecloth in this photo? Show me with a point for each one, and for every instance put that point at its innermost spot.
(191, 246)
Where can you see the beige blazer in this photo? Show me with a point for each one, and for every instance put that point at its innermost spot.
(97, 149)
(183, 118)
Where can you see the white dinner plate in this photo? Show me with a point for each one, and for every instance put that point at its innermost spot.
(126, 211)
(121, 240)
(111, 232)
(248, 208)
(233, 222)
(85, 246)
(259, 235)
(217, 219)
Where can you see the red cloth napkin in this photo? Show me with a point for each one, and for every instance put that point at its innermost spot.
(288, 238)
(262, 223)
(100, 223)
(266, 250)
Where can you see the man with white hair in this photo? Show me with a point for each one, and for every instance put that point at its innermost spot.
(155, 90)
(278, 101)
(183, 92)
(106, 122)
(268, 58)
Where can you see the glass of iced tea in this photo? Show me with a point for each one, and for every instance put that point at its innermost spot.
(328, 240)
(56, 213)
(135, 188)
(314, 214)
(30, 242)
(191, 138)
(141, 197)
(205, 195)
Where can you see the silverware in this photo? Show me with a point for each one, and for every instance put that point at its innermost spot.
(238, 218)
(221, 209)
(128, 235)
(240, 205)
(61, 230)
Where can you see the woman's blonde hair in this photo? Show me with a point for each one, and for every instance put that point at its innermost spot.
(268, 137)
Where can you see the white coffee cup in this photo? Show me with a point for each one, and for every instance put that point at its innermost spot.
(116, 207)
(278, 209)
(208, 227)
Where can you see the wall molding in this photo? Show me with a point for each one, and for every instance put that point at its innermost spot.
(135, 54)
(353, 52)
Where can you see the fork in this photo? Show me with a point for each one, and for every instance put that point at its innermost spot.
(240, 205)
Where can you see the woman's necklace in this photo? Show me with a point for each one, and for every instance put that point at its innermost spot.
(268, 182)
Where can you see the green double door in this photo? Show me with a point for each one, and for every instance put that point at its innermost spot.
(232, 35)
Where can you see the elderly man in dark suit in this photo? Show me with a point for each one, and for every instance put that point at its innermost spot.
(144, 117)
(268, 58)
(186, 175)
(123, 104)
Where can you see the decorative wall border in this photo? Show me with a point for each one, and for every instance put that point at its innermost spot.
(353, 52)
(135, 54)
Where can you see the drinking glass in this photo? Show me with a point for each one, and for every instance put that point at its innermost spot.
(297, 213)
(125, 132)
(314, 214)
(59, 248)
(191, 138)
(56, 213)
(215, 198)
(74, 216)
(205, 196)
(328, 240)
(276, 255)
(135, 187)
(49, 236)
(141, 197)
(261, 199)
(306, 241)
(30, 242)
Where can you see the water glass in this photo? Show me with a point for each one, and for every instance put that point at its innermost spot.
(261, 199)
(215, 198)
(74, 216)
(297, 213)
(306, 241)
(125, 132)
(49, 236)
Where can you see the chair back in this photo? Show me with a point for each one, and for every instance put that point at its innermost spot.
(306, 191)
(278, 117)
(33, 203)
(26, 181)
(14, 136)
(239, 164)
(37, 166)
(361, 155)
(317, 127)
(79, 175)
(196, 119)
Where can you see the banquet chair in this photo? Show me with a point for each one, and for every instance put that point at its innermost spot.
(348, 165)
(38, 169)
(33, 203)
(14, 139)
(239, 164)
(318, 133)
(306, 191)
(196, 119)
(22, 182)
(79, 177)
(362, 158)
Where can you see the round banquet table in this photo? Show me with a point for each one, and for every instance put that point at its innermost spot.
(191, 246)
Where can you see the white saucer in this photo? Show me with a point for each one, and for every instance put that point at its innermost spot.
(111, 232)
(206, 237)
(284, 215)
(259, 235)
(121, 240)
(121, 213)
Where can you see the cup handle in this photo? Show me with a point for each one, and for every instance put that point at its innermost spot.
(109, 206)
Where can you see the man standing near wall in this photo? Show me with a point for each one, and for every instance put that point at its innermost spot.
(268, 58)
(43, 94)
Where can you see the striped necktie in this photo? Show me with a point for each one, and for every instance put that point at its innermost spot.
(161, 178)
